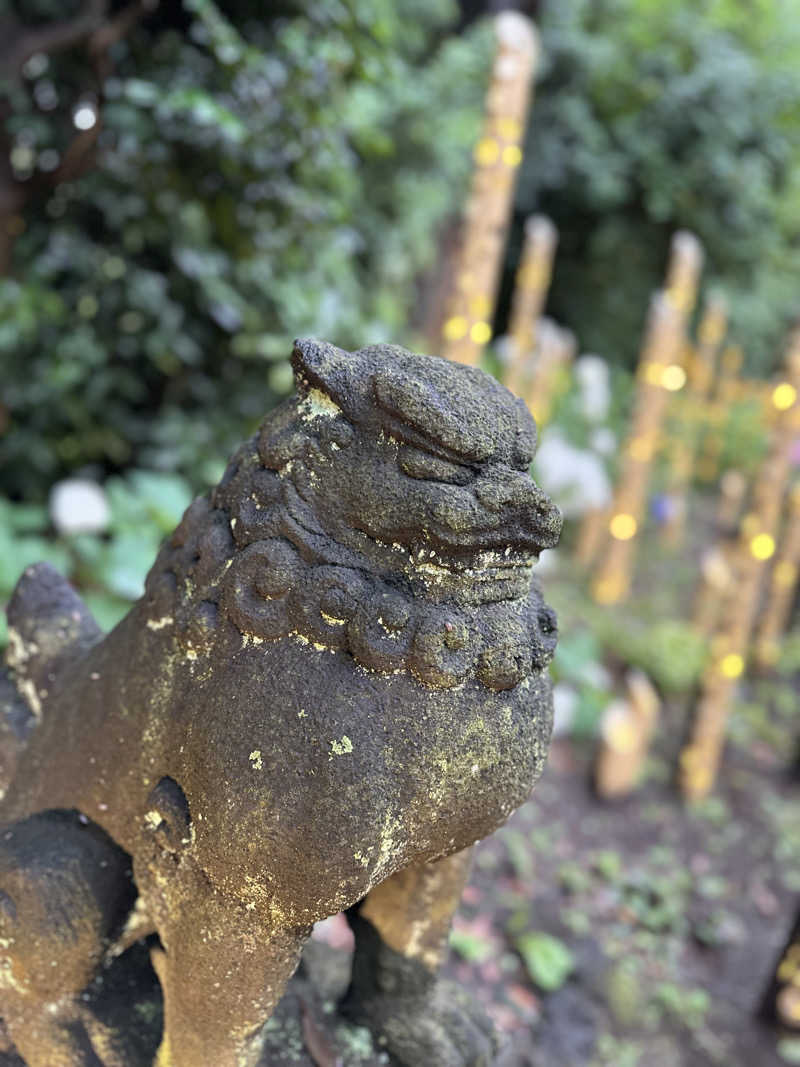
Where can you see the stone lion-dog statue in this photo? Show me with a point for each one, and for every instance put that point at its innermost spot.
(334, 685)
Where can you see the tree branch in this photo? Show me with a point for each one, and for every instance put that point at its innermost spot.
(53, 37)
(107, 35)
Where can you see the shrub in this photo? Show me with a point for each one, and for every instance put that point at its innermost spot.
(651, 117)
(256, 178)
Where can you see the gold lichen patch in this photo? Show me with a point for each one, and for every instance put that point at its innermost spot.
(318, 404)
(255, 759)
(341, 748)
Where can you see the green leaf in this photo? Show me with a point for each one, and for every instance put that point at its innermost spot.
(789, 1050)
(470, 946)
(549, 962)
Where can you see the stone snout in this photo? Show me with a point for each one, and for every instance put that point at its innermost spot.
(502, 509)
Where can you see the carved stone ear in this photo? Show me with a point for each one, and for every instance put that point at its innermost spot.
(526, 437)
(320, 365)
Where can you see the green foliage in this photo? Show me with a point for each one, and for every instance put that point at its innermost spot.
(658, 902)
(686, 1006)
(651, 117)
(548, 960)
(470, 946)
(789, 1050)
(577, 661)
(108, 569)
(258, 177)
(668, 650)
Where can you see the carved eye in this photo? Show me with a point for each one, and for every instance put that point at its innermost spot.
(418, 464)
(167, 815)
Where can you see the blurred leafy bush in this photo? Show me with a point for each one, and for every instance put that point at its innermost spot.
(258, 176)
(667, 650)
(109, 568)
(651, 117)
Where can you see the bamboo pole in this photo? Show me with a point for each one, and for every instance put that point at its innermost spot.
(660, 350)
(683, 273)
(658, 373)
(701, 756)
(717, 564)
(684, 443)
(781, 588)
(732, 490)
(591, 535)
(782, 1002)
(716, 572)
(498, 154)
(626, 732)
(724, 393)
(556, 348)
(530, 291)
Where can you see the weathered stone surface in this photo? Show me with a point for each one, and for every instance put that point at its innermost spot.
(334, 684)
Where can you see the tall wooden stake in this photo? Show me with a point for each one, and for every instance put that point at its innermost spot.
(530, 291)
(782, 587)
(626, 731)
(685, 441)
(555, 351)
(683, 273)
(659, 369)
(498, 155)
(722, 396)
(661, 349)
(717, 565)
(700, 759)
(782, 1002)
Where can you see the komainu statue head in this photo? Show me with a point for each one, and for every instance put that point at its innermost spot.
(386, 508)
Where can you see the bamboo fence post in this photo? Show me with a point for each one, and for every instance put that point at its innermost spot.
(701, 756)
(591, 535)
(660, 350)
(782, 1001)
(732, 490)
(684, 443)
(530, 291)
(498, 154)
(716, 572)
(723, 395)
(556, 351)
(683, 273)
(626, 731)
(716, 568)
(659, 370)
(781, 587)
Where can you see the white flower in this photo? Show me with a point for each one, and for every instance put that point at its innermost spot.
(592, 376)
(574, 477)
(79, 506)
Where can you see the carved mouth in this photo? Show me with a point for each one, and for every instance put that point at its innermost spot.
(509, 545)
(483, 575)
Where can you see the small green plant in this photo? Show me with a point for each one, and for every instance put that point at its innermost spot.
(686, 1006)
(548, 961)
(608, 865)
(667, 650)
(520, 852)
(789, 1050)
(470, 946)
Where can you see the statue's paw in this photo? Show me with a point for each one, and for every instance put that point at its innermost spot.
(442, 1026)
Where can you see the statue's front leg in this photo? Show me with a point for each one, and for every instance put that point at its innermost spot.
(401, 929)
(222, 972)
